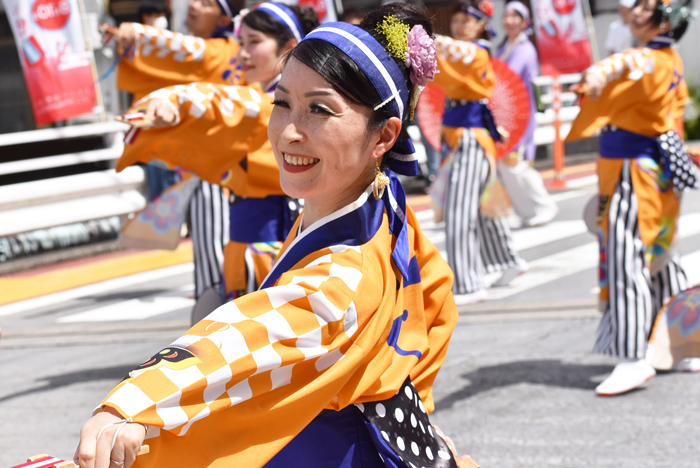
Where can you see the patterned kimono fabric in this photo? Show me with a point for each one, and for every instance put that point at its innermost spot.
(162, 58)
(342, 342)
(239, 157)
(642, 172)
(476, 243)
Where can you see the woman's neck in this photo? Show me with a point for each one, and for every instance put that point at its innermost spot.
(319, 207)
(515, 38)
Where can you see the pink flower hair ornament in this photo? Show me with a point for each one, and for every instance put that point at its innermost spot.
(421, 60)
(421, 56)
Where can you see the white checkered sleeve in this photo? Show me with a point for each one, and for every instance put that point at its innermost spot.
(637, 61)
(307, 321)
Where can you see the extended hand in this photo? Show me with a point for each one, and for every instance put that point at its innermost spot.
(162, 113)
(109, 451)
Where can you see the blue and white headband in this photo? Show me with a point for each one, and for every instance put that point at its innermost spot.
(285, 16)
(480, 15)
(225, 8)
(385, 75)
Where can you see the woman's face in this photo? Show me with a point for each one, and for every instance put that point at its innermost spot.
(641, 26)
(260, 55)
(465, 27)
(203, 17)
(513, 24)
(320, 139)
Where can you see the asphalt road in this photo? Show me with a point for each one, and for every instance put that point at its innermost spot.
(516, 389)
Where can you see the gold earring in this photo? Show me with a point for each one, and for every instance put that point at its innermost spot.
(380, 181)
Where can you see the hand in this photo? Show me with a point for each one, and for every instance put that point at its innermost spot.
(126, 35)
(93, 453)
(464, 461)
(162, 113)
(594, 84)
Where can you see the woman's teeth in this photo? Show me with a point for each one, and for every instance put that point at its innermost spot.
(299, 160)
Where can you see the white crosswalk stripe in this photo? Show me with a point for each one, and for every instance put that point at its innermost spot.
(136, 309)
(568, 262)
(570, 257)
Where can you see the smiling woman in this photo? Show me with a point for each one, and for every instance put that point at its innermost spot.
(331, 363)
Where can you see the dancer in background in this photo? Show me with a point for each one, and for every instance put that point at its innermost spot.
(228, 127)
(476, 243)
(532, 203)
(344, 340)
(156, 58)
(153, 13)
(638, 96)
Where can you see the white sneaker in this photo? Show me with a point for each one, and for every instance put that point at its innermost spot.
(688, 365)
(471, 298)
(626, 376)
(511, 273)
(543, 218)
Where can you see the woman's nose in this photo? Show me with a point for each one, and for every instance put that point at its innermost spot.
(292, 131)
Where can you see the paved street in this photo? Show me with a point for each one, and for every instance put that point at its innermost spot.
(516, 390)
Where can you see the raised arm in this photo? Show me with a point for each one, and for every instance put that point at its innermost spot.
(636, 61)
(160, 58)
(209, 130)
(464, 69)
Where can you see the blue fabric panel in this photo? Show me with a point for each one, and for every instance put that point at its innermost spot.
(260, 219)
(337, 439)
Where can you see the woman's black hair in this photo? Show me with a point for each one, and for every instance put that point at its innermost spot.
(151, 7)
(658, 17)
(263, 22)
(346, 77)
(463, 6)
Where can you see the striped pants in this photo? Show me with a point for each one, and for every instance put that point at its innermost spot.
(635, 297)
(209, 229)
(476, 244)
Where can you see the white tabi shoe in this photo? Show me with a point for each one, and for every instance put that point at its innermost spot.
(626, 376)
(688, 365)
(471, 298)
(511, 273)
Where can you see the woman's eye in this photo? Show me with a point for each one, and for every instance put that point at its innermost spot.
(316, 109)
(280, 102)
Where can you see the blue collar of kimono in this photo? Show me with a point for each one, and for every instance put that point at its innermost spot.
(272, 85)
(385, 76)
(484, 44)
(661, 42)
(353, 225)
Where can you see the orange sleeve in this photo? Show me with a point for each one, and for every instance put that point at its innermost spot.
(162, 58)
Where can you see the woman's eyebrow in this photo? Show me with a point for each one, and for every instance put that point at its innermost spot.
(282, 88)
(317, 93)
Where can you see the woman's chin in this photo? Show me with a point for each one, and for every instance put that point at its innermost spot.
(295, 188)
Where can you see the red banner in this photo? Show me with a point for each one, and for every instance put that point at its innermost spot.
(325, 9)
(54, 57)
(562, 36)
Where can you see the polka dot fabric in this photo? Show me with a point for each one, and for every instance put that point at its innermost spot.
(678, 164)
(402, 424)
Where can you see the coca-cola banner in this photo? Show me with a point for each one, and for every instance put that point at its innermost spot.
(562, 36)
(54, 57)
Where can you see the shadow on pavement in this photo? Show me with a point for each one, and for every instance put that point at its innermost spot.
(115, 373)
(544, 372)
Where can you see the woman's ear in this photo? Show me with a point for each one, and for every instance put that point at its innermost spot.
(288, 46)
(223, 21)
(387, 136)
(481, 26)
